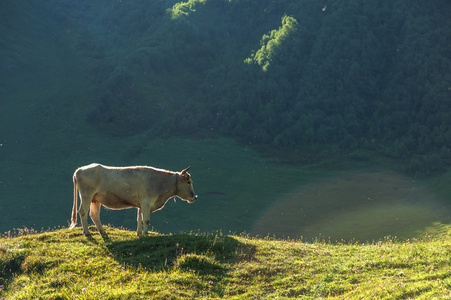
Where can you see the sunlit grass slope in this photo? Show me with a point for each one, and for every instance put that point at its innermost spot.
(63, 264)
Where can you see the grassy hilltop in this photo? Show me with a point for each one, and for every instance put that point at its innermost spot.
(64, 264)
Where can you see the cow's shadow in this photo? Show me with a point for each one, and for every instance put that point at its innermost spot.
(203, 253)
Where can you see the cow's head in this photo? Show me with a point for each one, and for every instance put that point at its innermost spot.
(185, 188)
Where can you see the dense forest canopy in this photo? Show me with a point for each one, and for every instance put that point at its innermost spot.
(341, 76)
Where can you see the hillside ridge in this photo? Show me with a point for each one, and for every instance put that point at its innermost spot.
(63, 264)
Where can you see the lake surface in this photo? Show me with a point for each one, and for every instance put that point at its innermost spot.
(363, 205)
(239, 191)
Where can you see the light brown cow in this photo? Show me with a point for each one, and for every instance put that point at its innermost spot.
(145, 188)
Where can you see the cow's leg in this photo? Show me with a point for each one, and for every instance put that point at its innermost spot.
(84, 210)
(139, 230)
(145, 211)
(95, 216)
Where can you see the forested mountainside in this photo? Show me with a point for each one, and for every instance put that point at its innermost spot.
(349, 76)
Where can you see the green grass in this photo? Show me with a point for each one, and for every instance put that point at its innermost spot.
(63, 264)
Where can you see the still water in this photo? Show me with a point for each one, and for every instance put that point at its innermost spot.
(362, 205)
(239, 191)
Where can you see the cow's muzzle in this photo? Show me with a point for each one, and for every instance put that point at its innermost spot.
(193, 198)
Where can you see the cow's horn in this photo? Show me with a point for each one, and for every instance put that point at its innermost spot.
(186, 170)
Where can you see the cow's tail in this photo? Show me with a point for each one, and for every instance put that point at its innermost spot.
(74, 208)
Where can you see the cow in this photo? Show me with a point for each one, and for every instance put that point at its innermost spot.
(146, 188)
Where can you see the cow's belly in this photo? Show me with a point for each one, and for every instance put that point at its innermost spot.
(114, 201)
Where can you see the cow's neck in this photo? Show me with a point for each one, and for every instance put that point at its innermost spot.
(164, 197)
(176, 191)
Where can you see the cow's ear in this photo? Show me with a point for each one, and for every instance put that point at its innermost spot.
(185, 170)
